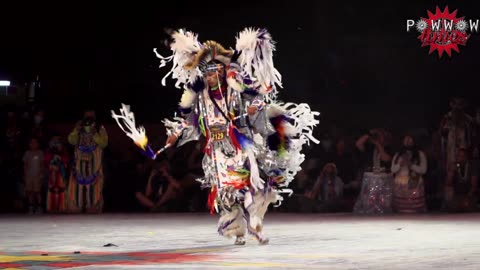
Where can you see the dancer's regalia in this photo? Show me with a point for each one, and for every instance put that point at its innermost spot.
(253, 141)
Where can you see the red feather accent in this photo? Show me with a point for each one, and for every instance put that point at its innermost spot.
(233, 137)
(206, 149)
(237, 184)
(211, 199)
(231, 74)
(281, 133)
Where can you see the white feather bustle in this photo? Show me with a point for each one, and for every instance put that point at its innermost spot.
(256, 59)
(185, 41)
(289, 129)
(263, 90)
(184, 46)
(274, 110)
(188, 97)
(256, 181)
(247, 39)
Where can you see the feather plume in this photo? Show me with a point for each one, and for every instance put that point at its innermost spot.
(256, 59)
(184, 47)
(187, 99)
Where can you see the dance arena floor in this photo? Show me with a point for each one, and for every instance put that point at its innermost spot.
(190, 241)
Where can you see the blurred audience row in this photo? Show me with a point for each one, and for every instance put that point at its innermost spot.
(45, 169)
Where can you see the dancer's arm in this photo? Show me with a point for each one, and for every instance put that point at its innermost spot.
(384, 156)
(101, 137)
(360, 143)
(188, 101)
(73, 136)
(422, 167)
(396, 163)
(251, 91)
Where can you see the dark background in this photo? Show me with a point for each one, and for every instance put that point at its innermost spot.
(354, 62)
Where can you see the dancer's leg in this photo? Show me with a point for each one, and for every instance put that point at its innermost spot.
(232, 224)
(256, 209)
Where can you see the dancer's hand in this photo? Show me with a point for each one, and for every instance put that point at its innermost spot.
(251, 110)
(172, 139)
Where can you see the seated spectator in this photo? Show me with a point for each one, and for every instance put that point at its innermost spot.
(190, 185)
(158, 189)
(346, 167)
(327, 148)
(304, 180)
(186, 168)
(344, 161)
(328, 189)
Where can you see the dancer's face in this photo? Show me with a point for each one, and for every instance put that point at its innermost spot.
(214, 76)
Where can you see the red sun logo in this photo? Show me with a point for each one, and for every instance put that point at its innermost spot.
(442, 31)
